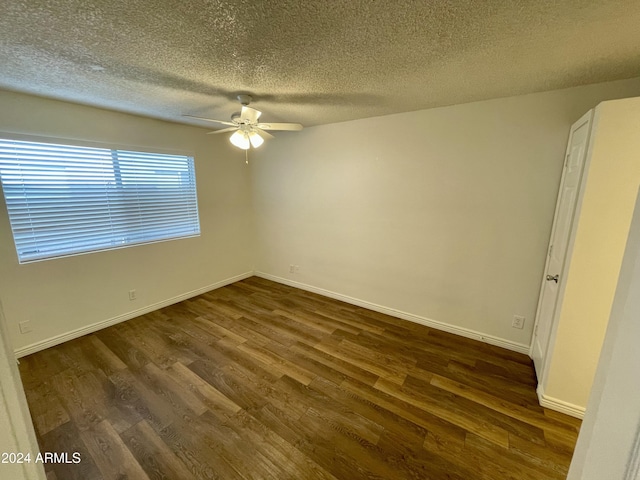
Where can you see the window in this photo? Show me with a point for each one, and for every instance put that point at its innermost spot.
(65, 199)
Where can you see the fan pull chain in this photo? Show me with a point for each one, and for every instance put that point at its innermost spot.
(246, 156)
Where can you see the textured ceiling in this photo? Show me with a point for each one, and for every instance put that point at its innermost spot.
(310, 61)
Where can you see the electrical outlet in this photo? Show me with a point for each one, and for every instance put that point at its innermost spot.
(518, 322)
(296, 269)
(292, 269)
(132, 295)
(25, 327)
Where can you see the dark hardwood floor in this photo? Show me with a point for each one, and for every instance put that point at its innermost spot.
(258, 380)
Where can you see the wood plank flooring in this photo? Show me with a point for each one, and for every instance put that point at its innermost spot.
(258, 380)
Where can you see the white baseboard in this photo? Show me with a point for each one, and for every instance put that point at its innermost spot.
(463, 332)
(559, 405)
(94, 327)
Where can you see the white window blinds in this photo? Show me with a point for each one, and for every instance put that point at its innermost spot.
(65, 199)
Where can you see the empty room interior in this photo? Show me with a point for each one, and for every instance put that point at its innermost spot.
(319, 239)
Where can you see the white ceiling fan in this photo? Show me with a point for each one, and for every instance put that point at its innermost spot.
(248, 132)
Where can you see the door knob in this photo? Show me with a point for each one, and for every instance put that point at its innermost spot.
(553, 277)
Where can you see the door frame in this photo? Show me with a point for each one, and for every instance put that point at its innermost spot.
(592, 117)
(20, 434)
(609, 442)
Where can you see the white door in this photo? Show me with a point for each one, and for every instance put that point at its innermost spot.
(560, 234)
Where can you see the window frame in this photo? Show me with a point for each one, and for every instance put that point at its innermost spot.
(82, 143)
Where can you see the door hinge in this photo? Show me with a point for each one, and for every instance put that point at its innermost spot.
(550, 250)
(566, 160)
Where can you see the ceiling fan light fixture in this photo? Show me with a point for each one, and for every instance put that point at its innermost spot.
(255, 139)
(240, 139)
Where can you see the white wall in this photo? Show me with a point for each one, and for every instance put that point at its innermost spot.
(609, 193)
(609, 442)
(444, 214)
(62, 295)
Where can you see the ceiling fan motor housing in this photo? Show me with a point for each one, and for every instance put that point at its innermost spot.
(238, 120)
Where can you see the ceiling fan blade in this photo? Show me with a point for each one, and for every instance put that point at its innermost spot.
(263, 134)
(224, 130)
(280, 126)
(250, 115)
(223, 122)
